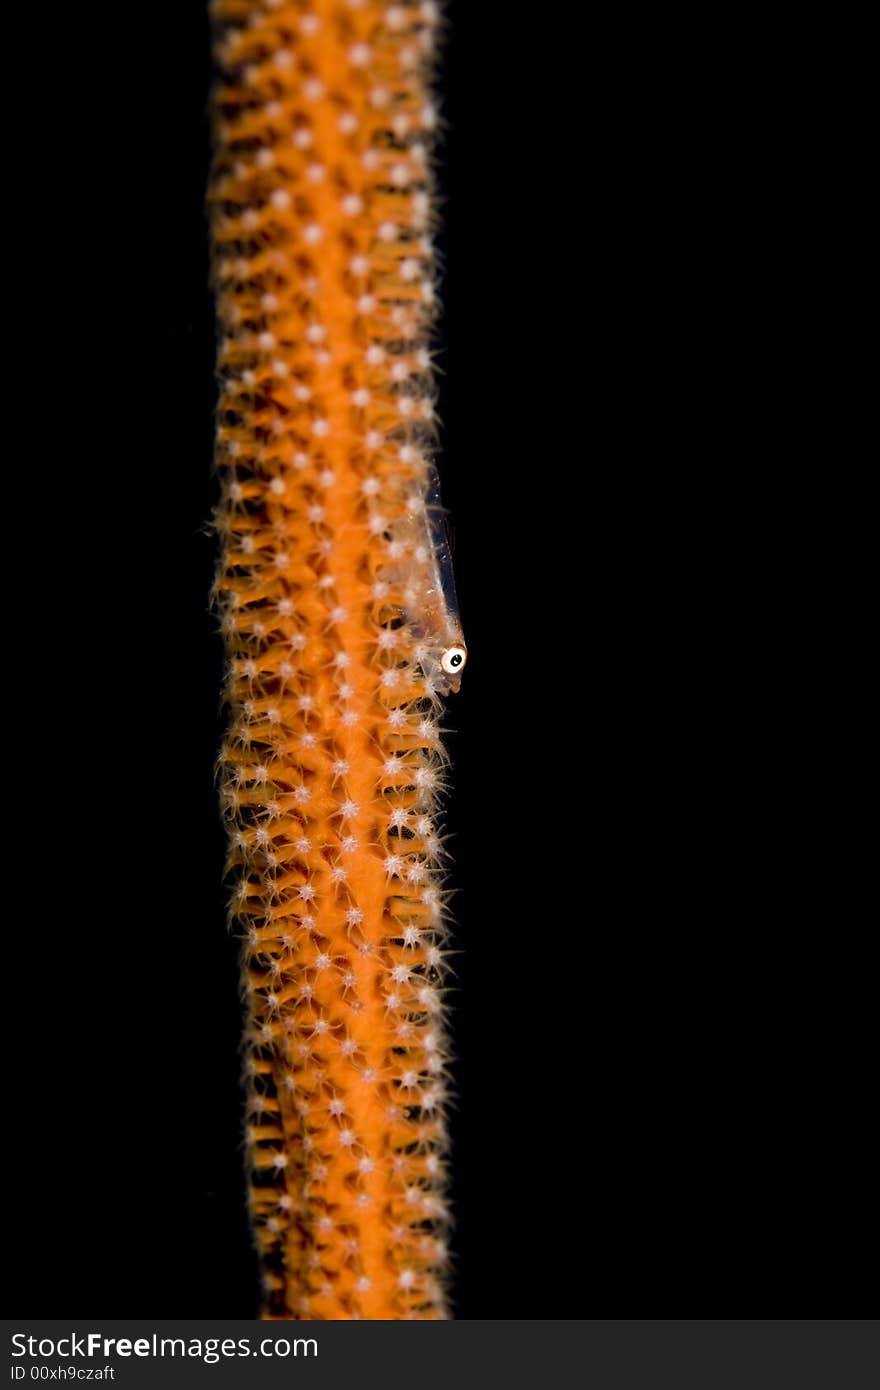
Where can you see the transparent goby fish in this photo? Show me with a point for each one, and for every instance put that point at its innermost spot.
(424, 566)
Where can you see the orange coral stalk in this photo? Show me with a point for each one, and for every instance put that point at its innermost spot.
(341, 634)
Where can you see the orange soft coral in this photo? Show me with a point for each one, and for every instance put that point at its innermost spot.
(320, 214)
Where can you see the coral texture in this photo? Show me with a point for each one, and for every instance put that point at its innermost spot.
(331, 767)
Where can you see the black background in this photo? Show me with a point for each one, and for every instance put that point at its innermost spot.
(660, 1097)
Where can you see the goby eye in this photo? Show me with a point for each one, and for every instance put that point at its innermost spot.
(453, 659)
